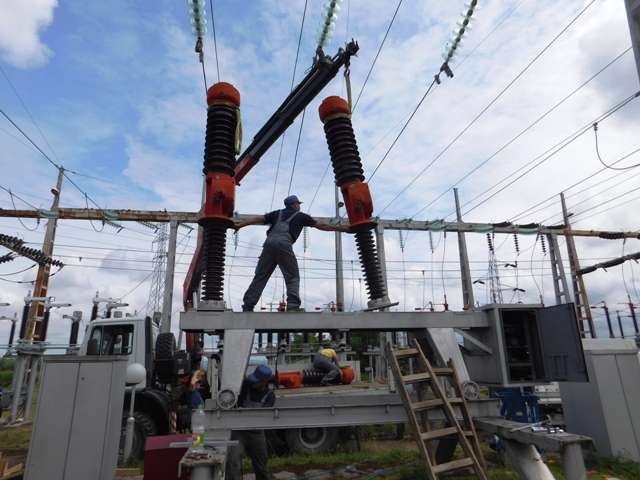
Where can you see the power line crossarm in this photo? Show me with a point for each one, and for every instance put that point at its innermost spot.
(413, 225)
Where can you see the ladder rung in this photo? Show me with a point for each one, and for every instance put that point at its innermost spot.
(444, 432)
(443, 370)
(409, 352)
(433, 403)
(416, 378)
(426, 404)
(454, 465)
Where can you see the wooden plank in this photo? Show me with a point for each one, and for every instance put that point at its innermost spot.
(443, 432)
(13, 471)
(426, 405)
(127, 472)
(453, 465)
(409, 352)
(416, 378)
(3, 465)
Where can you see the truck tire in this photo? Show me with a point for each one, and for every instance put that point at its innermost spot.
(143, 427)
(307, 441)
(165, 348)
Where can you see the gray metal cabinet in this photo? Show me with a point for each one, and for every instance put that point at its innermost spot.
(76, 433)
(529, 346)
(606, 408)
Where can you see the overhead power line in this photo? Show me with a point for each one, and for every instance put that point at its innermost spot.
(488, 106)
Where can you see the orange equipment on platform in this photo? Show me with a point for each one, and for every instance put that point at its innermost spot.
(312, 377)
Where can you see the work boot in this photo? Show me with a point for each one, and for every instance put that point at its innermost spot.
(295, 309)
(247, 308)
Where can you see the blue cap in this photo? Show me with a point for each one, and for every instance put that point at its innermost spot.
(291, 200)
(262, 373)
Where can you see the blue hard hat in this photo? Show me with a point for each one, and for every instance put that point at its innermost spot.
(291, 200)
(262, 373)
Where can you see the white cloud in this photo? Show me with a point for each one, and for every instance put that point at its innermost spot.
(21, 24)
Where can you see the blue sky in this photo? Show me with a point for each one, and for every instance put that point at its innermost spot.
(114, 92)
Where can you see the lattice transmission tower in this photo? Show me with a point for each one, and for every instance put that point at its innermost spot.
(494, 276)
(156, 297)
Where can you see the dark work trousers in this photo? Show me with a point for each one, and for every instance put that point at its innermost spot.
(276, 251)
(254, 443)
(323, 363)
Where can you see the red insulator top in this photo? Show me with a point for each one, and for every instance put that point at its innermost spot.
(332, 106)
(223, 92)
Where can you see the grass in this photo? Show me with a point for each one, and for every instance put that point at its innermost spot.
(378, 457)
(381, 457)
(17, 437)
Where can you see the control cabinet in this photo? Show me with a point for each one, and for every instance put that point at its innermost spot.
(529, 345)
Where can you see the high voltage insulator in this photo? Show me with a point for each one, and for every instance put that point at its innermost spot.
(515, 240)
(611, 235)
(336, 115)
(10, 242)
(401, 240)
(150, 225)
(328, 22)
(119, 226)
(186, 225)
(305, 238)
(455, 43)
(198, 21)
(489, 242)
(431, 242)
(221, 143)
(7, 258)
(543, 244)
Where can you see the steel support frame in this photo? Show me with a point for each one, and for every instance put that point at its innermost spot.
(326, 410)
(212, 322)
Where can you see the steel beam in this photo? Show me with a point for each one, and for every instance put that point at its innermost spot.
(331, 409)
(414, 225)
(214, 321)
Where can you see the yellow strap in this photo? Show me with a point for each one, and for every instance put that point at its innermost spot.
(347, 78)
(238, 139)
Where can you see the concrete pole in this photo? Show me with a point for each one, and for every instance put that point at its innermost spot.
(467, 286)
(384, 336)
(633, 15)
(579, 291)
(167, 305)
(339, 270)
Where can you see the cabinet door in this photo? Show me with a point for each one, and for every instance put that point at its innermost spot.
(561, 344)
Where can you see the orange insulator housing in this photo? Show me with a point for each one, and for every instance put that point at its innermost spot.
(347, 375)
(223, 92)
(357, 201)
(220, 200)
(331, 106)
(289, 379)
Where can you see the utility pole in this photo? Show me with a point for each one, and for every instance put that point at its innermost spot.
(633, 15)
(167, 304)
(29, 354)
(41, 287)
(579, 291)
(467, 287)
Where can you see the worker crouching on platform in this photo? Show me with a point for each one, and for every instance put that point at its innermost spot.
(255, 393)
(327, 361)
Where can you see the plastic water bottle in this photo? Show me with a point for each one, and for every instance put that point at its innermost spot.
(197, 430)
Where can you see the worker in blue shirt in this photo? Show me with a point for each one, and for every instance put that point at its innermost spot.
(194, 399)
(286, 225)
(255, 393)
